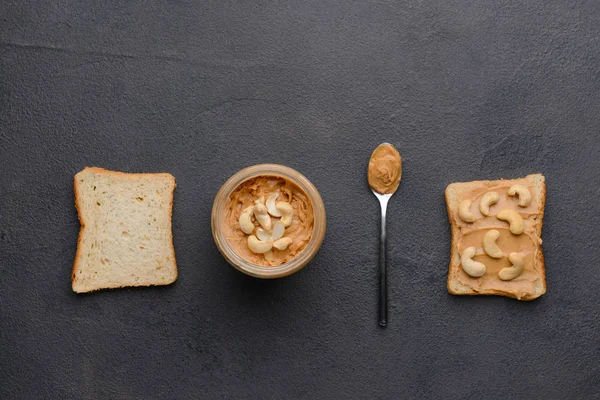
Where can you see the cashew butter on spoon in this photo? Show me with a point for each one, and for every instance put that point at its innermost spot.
(384, 174)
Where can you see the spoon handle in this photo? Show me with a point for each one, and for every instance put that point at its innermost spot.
(383, 292)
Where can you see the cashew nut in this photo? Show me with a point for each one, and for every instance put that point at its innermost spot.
(287, 212)
(464, 211)
(278, 230)
(271, 207)
(522, 192)
(518, 264)
(282, 243)
(262, 215)
(489, 244)
(488, 199)
(259, 246)
(245, 220)
(514, 219)
(472, 268)
(261, 234)
(269, 256)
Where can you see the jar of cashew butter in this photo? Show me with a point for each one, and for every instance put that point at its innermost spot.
(268, 221)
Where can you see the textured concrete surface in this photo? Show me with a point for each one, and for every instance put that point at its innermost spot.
(465, 89)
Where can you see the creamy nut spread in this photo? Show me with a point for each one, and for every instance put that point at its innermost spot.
(282, 216)
(527, 243)
(385, 169)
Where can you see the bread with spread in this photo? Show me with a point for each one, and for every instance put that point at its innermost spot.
(496, 237)
(125, 236)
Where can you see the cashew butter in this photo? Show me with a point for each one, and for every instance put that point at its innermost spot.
(268, 220)
(385, 169)
(513, 248)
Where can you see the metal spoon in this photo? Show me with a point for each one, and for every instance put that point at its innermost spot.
(385, 172)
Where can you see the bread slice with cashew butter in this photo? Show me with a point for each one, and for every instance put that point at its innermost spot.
(496, 237)
(125, 237)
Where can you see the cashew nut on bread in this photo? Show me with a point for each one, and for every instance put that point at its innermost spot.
(522, 192)
(464, 211)
(487, 200)
(517, 226)
(489, 244)
(472, 268)
(518, 264)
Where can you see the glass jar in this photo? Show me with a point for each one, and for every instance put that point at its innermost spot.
(304, 256)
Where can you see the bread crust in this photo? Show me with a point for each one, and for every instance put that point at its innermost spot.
(82, 222)
(452, 285)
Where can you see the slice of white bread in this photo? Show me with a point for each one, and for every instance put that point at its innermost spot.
(461, 284)
(125, 237)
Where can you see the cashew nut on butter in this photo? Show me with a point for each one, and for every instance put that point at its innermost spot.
(515, 220)
(522, 192)
(269, 235)
(287, 211)
(487, 200)
(269, 256)
(282, 243)
(259, 246)
(464, 211)
(261, 234)
(262, 215)
(472, 268)
(245, 220)
(271, 207)
(489, 244)
(518, 264)
(278, 230)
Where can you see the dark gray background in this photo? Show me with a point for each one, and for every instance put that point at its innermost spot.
(466, 89)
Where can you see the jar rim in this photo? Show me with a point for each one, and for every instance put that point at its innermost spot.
(305, 256)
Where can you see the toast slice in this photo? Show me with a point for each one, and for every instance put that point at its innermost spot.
(125, 237)
(531, 283)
